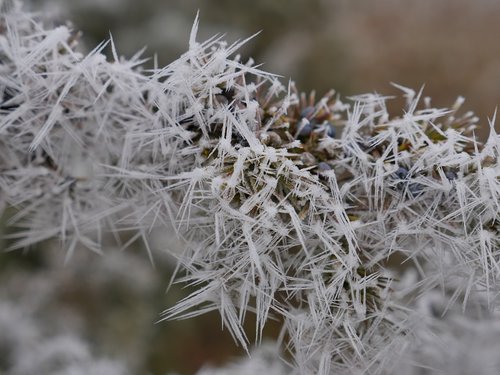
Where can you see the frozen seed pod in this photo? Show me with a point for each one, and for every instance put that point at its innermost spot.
(330, 130)
(415, 189)
(324, 167)
(450, 175)
(307, 112)
(241, 140)
(305, 129)
(308, 159)
(271, 139)
(401, 173)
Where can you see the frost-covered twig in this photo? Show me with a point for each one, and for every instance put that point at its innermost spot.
(291, 208)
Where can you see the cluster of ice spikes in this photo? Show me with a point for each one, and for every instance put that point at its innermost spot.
(308, 212)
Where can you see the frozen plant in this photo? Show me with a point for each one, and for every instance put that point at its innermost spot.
(311, 212)
(263, 360)
(25, 350)
(92, 300)
(450, 340)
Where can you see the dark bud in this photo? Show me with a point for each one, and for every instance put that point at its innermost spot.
(330, 130)
(241, 140)
(308, 159)
(415, 189)
(271, 139)
(401, 173)
(307, 112)
(305, 130)
(450, 175)
(323, 167)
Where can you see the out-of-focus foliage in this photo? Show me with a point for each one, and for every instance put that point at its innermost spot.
(98, 313)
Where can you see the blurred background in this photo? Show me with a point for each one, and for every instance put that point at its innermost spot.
(113, 302)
